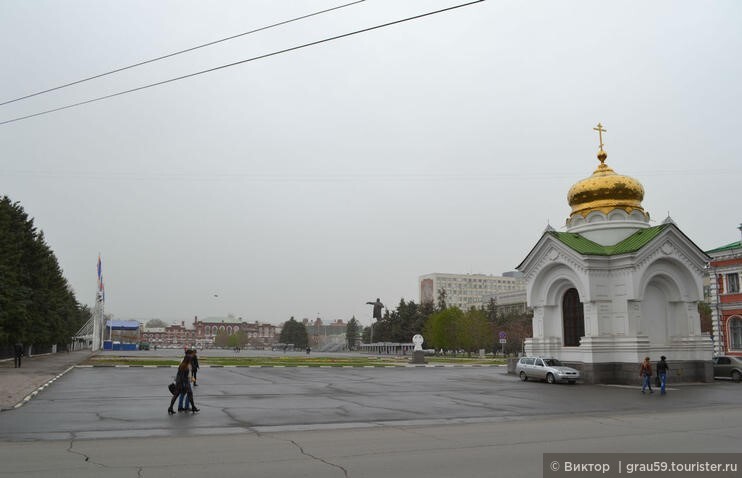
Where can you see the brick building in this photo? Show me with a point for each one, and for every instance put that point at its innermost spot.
(725, 270)
(201, 333)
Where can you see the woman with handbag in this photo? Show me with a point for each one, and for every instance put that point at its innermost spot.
(183, 395)
(183, 384)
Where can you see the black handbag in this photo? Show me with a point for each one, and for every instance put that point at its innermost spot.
(173, 388)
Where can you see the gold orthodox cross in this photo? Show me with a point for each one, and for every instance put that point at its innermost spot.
(600, 131)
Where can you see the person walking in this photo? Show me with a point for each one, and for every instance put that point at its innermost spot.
(183, 395)
(17, 354)
(194, 366)
(182, 384)
(645, 371)
(662, 370)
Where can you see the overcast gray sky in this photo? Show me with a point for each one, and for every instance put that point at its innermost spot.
(308, 183)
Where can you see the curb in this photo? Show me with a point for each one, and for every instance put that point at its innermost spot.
(31, 395)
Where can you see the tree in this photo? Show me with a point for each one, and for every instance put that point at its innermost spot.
(352, 333)
(155, 323)
(407, 321)
(474, 331)
(442, 299)
(366, 335)
(400, 324)
(518, 327)
(237, 339)
(491, 310)
(222, 339)
(37, 305)
(294, 332)
(441, 329)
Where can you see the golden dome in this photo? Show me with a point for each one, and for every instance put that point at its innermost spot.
(606, 191)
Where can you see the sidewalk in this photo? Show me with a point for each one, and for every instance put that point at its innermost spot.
(35, 371)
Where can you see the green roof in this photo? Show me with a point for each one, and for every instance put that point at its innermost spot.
(728, 247)
(587, 247)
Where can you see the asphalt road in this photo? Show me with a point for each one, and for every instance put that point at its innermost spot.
(349, 422)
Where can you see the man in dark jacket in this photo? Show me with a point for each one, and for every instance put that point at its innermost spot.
(194, 366)
(662, 369)
(18, 353)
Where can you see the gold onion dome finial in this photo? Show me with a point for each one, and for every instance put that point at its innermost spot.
(605, 190)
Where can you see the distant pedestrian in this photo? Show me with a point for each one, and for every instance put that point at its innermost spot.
(194, 366)
(308, 349)
(662, 371)
(645, 372)
(182, 384)
(17, 353)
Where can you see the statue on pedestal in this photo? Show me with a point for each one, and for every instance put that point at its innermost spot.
(377, 308)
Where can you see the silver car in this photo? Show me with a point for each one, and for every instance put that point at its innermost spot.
(549, 369)
(729, 367)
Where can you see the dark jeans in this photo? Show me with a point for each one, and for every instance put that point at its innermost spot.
(17, 361)
(183, 397)
(184, 388)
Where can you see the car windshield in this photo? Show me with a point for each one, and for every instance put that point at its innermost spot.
(552, 363)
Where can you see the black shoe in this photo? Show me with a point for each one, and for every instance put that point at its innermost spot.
(180, 409)
(195, 385)
(170, 411)
(194, 410)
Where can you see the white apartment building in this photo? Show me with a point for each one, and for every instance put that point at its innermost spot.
(468, 290)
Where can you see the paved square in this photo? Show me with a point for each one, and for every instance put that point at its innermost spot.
(349, 422)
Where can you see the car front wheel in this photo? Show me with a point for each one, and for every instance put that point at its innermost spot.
(736, 376)
(550, 378)
(523, 376)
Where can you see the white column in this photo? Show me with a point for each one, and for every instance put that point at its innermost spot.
(716, 314)
(96, 327)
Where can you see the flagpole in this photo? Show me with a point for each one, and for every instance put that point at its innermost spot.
(99, 327)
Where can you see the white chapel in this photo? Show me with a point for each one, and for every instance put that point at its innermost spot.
(612, 289)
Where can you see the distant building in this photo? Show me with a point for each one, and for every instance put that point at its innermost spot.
(469, 290)
(203, 332)
(258, 334)
(155, 336)
(510, 303)
(725, 298)
(172, 336)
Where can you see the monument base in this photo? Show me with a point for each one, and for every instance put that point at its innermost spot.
(418, 356)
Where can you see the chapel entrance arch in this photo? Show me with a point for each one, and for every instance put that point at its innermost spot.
(573, 318)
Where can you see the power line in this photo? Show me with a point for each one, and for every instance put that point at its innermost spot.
(342, 176)
(228, 65)
(179, 52)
